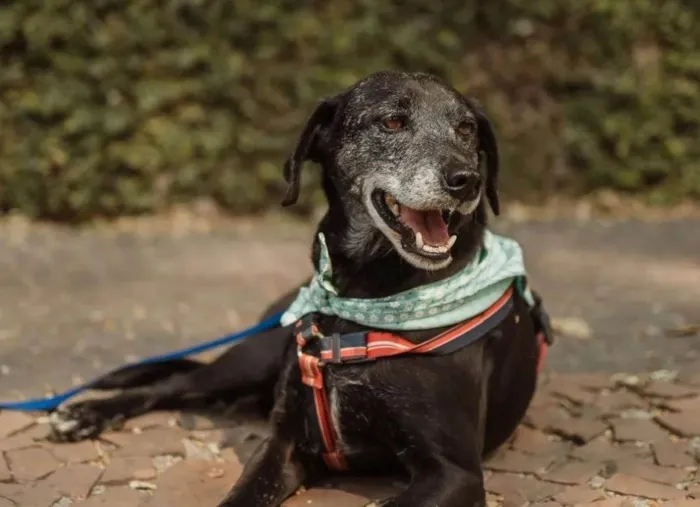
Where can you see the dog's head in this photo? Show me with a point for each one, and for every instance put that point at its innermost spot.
(401, 156)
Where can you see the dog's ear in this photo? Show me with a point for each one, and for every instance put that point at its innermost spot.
(307, 146)
(489, 146)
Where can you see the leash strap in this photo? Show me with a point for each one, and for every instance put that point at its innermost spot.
(51, 403)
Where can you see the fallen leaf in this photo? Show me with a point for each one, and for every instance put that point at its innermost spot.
(142, 485)
(216, 473)
(574, 327)
(684, 331)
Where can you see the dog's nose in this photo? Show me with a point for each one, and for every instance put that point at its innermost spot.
(462, 183)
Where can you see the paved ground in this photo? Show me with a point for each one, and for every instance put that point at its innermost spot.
(589, 440)
(625, 298)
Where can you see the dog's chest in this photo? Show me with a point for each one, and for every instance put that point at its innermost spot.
(363, 397)
(336, 412)
(347, 399)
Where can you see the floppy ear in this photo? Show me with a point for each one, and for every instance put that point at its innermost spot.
(488, 145)
(306, 148)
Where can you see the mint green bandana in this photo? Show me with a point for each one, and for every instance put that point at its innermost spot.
(445, 303)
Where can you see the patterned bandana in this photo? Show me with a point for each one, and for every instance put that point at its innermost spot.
(445, 303)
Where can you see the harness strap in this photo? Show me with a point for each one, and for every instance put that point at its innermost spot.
(358, 347)
(312, 376)
(314, 350)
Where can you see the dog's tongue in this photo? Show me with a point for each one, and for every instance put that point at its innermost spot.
(429, 223)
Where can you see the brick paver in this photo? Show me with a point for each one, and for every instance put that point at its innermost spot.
(588, 441)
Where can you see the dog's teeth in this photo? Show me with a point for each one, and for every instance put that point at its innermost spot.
(435, 248)
(419, 241)
(451, 241)
(392, 203)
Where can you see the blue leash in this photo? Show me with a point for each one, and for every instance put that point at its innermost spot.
(47, 404)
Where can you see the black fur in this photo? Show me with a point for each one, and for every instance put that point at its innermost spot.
(432, 417)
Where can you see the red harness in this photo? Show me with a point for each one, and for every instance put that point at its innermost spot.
(370, 345)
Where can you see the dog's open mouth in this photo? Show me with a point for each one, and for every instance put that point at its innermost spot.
(424, 232)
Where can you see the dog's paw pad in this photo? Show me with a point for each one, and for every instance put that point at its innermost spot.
(71, 424)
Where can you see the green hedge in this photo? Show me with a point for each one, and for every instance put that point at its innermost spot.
(111, 107)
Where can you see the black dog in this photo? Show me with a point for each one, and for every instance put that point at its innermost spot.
(401, 168)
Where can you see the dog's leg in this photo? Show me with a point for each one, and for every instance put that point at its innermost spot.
(438, 436)
(251, 366)
(270, 476)
(451, 478)
(87, 419)
(130, 377)
(275, 471)
(444, 484)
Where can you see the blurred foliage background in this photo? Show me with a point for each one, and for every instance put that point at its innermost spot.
(112, 107)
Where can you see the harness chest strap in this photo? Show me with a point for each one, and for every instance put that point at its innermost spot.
(367, 346)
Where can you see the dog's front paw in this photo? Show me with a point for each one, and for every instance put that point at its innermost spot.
(79, 422)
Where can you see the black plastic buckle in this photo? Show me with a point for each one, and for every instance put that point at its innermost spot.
(334, 340)
(542, 318)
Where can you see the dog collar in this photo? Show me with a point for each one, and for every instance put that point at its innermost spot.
(444, 303)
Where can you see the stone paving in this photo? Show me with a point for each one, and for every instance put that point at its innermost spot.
(588, 440)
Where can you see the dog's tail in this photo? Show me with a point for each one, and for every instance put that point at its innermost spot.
(140, 375)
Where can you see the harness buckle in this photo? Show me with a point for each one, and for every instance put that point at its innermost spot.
(334, 340)
(310, 365)
(307, 333)
(542, 319)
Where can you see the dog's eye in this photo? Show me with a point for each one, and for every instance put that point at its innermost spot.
(466, 129)
(393, 123)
